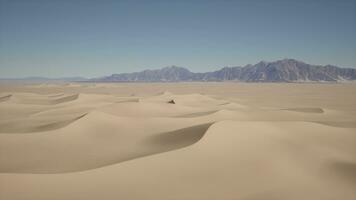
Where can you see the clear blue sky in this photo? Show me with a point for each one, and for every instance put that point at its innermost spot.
(57, 38)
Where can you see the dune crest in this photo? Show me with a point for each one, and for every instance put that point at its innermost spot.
(34, 125)
(306, 110)
(43, 99)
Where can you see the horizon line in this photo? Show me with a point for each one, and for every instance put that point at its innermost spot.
(167, 66)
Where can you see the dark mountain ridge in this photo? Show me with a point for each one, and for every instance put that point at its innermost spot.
(286, 70)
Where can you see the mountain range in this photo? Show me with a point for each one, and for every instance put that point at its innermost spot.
(286, 70)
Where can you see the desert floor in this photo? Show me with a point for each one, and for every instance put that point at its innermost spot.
(177, 141)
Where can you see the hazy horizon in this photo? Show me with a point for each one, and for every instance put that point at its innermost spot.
(156, 68)
(96, 38)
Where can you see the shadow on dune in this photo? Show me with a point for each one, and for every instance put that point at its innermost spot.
(65, 99)
(5, 98)
(339, 124)
(197, 114)
(31, 127)
(343, 169)
(82, 159)
(178, 138)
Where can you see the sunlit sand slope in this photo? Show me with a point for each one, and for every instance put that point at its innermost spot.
(70, 142)
(244, 160)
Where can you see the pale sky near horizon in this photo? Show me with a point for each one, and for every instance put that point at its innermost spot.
(91, 38)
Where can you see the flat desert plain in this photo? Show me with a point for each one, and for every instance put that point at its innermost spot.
(175, 141)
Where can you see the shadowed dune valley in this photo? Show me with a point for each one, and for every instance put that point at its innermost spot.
(177, 141)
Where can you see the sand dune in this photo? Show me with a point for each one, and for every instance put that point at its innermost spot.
(244, 160)
(73, 141)
(91, 136)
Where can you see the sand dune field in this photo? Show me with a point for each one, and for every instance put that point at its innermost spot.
(177, 141)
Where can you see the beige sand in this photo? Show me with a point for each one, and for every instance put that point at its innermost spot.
(213, 141)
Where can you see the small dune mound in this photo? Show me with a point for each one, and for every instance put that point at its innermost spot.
(149, 109)
(178, 138)
(171, 102)
(306, 110)
(197, 100)
(194, 100)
